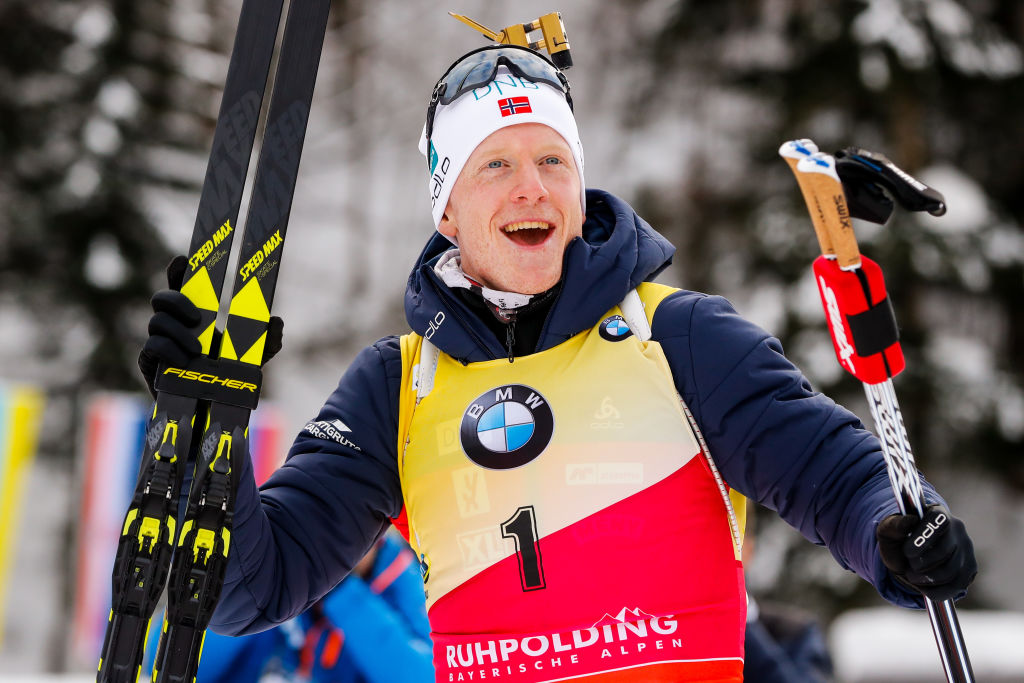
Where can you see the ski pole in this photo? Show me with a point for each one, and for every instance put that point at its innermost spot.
(866, 340)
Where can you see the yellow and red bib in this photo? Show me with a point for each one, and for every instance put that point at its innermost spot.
(569, 520)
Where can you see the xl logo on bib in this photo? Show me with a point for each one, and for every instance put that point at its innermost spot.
(506, 427)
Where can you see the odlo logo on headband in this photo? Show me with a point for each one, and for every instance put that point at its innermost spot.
(506, 427)
(437, 175)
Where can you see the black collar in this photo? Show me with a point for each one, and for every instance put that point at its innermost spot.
(520, 332)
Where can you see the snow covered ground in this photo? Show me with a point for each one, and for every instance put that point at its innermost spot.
(888, 644)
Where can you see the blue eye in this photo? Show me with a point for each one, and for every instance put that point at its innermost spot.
(494, 164)
(552, 160)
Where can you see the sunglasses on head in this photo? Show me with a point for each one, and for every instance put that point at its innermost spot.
(479, 67)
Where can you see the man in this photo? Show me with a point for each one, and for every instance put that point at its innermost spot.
(561, 439)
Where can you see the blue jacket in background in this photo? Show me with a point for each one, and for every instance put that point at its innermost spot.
(773, 437)
(365, 631)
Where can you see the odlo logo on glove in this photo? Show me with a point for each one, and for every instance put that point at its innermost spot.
(929, 530)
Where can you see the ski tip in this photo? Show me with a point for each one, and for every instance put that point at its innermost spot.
(819, 162)
(798, 149)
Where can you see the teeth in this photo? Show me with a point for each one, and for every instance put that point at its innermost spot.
(527, 225)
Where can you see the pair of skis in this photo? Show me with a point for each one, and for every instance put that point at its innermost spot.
(862, 184)
(202, 411)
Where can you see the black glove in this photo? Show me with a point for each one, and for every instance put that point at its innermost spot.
(933, 555)
(172, 339)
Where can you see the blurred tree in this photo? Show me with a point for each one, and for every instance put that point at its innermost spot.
(90, 91)
(107, 108)
(936, 85)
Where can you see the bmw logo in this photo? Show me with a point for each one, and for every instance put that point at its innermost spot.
(614, 328)
(506, 427)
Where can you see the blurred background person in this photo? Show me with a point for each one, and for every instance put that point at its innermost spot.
(371, 628)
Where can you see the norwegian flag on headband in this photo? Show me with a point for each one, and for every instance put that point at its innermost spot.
(515, 105)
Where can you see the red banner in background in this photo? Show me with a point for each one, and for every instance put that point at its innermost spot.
(268, 442)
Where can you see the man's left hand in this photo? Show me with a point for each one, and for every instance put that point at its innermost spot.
(933, 555)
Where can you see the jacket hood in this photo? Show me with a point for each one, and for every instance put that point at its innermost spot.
(617, 252)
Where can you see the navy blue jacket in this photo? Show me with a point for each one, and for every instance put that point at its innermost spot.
(772, 436)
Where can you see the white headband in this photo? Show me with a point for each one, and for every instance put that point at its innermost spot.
(508, 100)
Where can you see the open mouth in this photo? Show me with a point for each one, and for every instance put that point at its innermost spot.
(528, 233)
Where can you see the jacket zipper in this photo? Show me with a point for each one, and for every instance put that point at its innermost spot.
(510, 338)
(439, 288)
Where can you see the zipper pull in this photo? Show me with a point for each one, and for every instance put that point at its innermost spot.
(510, 338)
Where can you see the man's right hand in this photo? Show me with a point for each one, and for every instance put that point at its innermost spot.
(172, 339)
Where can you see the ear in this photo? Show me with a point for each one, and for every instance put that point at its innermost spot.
(447, 227)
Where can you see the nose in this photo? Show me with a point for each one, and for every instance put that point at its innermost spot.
(529, 186)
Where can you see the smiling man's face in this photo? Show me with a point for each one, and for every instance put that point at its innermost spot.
(514, 209)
